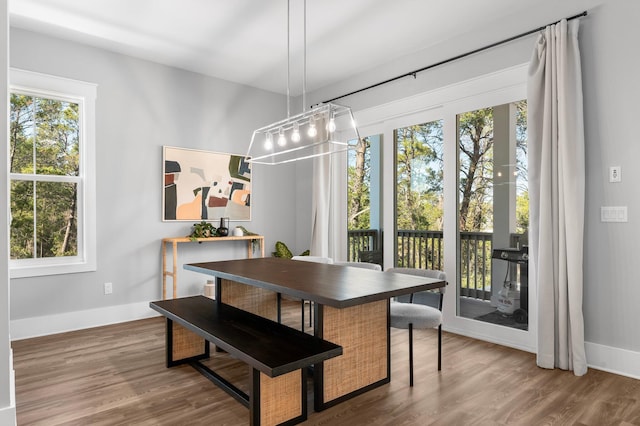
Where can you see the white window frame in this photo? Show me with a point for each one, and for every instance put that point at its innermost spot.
(445, 103)
(84, 94)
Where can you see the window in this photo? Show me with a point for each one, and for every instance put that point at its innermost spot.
(364, 227)
(51, 173)
(419, 195)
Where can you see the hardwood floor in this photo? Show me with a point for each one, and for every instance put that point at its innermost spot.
(116, 375)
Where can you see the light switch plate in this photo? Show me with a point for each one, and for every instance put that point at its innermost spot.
(613, 214)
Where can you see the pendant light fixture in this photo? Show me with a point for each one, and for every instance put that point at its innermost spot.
(322, 130)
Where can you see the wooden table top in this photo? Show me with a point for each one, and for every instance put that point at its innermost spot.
(333, 285)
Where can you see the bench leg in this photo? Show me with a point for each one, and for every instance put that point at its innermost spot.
(183, 345)
(278, 400)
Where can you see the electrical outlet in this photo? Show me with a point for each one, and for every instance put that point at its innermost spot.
(614, 174)
(108, 288)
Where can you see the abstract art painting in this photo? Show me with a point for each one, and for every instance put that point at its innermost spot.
(204, 185)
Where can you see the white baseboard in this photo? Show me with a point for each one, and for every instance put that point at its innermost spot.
(613, 360)
(8, 416)
(78, 320)
(599, 357)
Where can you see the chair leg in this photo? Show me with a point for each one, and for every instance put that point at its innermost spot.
(440, 347)
(410, 354)
(310, 313)
(302, 306)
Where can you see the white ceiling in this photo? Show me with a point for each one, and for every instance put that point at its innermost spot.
(245, 41)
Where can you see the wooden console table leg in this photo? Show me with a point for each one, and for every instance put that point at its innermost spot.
(175, 269)
(164, 271)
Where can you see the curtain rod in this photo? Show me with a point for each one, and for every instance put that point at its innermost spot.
(446, 61)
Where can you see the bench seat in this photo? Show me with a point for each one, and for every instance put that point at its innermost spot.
(277, 354)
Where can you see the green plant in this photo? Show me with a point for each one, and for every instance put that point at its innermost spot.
(283, 251)
(255, 244)
(202, 230)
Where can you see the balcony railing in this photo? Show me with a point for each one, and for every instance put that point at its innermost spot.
(475, 265)
(425, 250)
(420, 250)
(361, 240)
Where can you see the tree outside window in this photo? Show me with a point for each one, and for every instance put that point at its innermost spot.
(45, 168)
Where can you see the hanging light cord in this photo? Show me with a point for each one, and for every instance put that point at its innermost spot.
(304, 59)
(288, 57)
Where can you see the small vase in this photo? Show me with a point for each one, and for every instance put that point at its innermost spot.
(223, 229)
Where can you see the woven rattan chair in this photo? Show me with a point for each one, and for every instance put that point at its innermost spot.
(412, 313)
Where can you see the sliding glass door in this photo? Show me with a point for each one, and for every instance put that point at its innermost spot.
(493, 215)
(451, 194)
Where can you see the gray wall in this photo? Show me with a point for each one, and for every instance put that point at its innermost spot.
(142, 106)
(608, 42)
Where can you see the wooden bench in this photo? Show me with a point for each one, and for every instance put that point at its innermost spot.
(278, 355)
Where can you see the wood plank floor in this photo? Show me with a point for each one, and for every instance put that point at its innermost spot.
(116, 375)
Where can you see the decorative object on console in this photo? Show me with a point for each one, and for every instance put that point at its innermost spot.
(245, 232)
(223, 229)
(202, 230)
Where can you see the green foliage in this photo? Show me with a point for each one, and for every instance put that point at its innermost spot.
(282, 251)
(419, 174)
(245, 232)
(255, 244)
(359, 181)
(522, 213)
(43, 140)
(202, 230)
(475, 144)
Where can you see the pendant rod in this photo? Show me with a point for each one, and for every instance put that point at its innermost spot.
(288, 57)
(304, 59)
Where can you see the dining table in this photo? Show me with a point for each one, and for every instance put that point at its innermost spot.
(351, 309)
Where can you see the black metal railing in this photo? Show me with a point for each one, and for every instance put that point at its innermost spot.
(425, 249)
(420, 249)
(361, 240)
(475, 265)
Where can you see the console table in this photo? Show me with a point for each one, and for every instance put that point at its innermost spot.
(174, 245)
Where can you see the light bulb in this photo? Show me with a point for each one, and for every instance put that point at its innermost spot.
(295, 136)
(268, 141)
(282, 141)
(312, 131)
(332, 124)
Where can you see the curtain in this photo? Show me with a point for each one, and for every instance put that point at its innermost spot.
(320, 206)
(557, 188)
